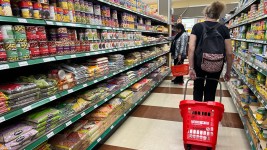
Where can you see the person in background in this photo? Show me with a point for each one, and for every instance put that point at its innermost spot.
(178, 48)
(212, 14)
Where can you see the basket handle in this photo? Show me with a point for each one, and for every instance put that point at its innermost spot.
(198, 78)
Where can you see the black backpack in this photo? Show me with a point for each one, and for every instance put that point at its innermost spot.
(210, 52)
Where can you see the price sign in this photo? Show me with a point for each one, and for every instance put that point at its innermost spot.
(111, 127)
(28, 108)
(105, 77)
(82, 114)
(59, 23)
(22, 20)
(85, 85)
(106, 100)
(49, 23)
(99, 139)
(2, 119)
(23, 63)
(70, 91)
(4, 66)
(50, 134)
(47, 59)
(52, 98)
(72, 56)
(95, 81)
(96, 106)
(68, 123)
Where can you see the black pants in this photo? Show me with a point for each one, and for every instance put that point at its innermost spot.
(180, 78)
(208, 89)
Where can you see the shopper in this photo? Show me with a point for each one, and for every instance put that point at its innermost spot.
(178, 48)
(209, 47)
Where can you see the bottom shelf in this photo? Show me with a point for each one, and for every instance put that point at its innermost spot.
(242, 117)
(121, 118)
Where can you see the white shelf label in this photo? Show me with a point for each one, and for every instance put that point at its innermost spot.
(47, 59)
(87, 54)
(22, 20)
(59, 23)
(49, 22)
(95, 81)
(111, 127)
(121, 70)
(68, 123)
(121, 89)
(106, 100)
(4, 66)
(105, 77)
(110, 50)
(251, 143)
(2, 119)
(82, 114)
(113, 95)
(99, 139)
(130, 109)
(23, 63)
(114, 73)
(98, 27)
(135, 104)
(72, 56)
(52, 98)
(70, 91)
(124, 115)
(262, 101)
(85, 85)
(95, 53)
(28, 108)
(96, 106)
(50, 134)
(88, 26)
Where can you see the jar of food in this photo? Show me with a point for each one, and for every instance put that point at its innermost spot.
(26, 9)
(37, 10)
(59, 14)
(5, 8)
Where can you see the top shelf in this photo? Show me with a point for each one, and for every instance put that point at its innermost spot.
(132, 11)
(241, 10)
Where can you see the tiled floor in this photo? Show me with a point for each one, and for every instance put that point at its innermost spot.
(157, 123)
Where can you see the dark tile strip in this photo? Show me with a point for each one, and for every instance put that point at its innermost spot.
(172, 90)
(171, 77)
(109, 147)
(173, 114)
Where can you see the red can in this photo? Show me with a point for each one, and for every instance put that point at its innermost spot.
(52, 48)
(77, 46)
(43, 48)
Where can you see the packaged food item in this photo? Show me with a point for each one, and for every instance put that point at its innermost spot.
(43, 115)
(14, 131)
(26, 9)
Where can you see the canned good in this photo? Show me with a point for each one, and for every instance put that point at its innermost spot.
(3, 55)
(23, 51)
(52, 48)
(5, 8)
(63, 4)
(37, 10)
(97, 10)
(77, 6)
(90, 8)
(59, 15)
(7, 33)
(43, 48)
(26, 9)
(70, 5)
(66, 17)
(52, 12)
(82, 6)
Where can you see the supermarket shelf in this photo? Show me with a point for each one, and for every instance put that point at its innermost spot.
(80, 25)
(261, 70)
(252, 88)
(132, 11)
(241, 10)
(243, 119)
(44, 101)
(21, 20)
(83, 113)
(17, 64)
(250, 21)
(118, 121)
(251, 41)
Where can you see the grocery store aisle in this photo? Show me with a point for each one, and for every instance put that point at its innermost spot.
(157, 124)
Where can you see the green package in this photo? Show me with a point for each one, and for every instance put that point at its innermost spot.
(43, 115)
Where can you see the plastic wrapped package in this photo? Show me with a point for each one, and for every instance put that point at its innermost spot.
(12, 132)
(43, 115)
(12, 88)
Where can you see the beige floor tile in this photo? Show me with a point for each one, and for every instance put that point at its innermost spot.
(173, 100)
(168, 83)
(151, 134)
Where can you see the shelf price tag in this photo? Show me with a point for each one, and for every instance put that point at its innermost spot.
(68, 123)
(95, 81)
(106, 100)
(59, 23)
(72, 56)
(111, 127)
(124, 115)
(2, 119)
(47, 59)
(22, 20)
(28, 108)
(95, 106)
(105, 77)
(113, 95)
(85, 85)
(23, 63)
(135, 104)
(99, 139)
(52, 98)
(49, 23)
(50, 135)
(82, 114)
(70, 91)
(4, 66)
(87, 54)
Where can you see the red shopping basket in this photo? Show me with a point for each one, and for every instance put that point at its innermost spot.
(180, 70)
(200, 122)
